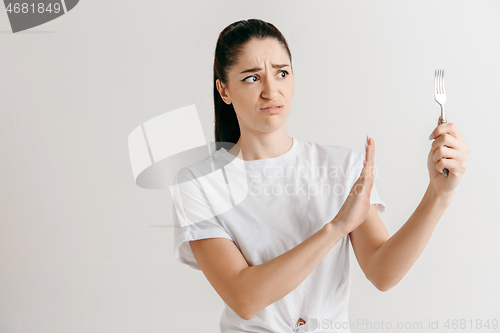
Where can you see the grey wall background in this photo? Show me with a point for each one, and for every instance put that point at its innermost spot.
(81, 246)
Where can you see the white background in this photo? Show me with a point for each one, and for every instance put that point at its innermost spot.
(80, 246)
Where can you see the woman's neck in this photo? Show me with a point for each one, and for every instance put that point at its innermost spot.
(269, 146)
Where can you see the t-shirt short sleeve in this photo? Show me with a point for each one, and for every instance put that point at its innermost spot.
(374, 197)
(193, 217)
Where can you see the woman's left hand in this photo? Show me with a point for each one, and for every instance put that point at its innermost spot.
(449, 151)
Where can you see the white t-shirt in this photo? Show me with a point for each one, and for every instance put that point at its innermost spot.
(286, 200)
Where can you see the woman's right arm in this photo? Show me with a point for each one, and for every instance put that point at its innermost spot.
(248, 290)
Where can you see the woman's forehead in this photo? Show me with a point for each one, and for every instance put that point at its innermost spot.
(259, 52)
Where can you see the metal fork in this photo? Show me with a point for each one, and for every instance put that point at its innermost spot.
(440, 97)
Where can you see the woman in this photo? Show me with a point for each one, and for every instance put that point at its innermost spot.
(279, 259)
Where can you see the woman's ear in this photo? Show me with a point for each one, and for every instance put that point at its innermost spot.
(223, 92)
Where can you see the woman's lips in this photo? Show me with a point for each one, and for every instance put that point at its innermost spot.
(272, 110)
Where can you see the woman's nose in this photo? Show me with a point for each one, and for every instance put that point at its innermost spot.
(270, 89)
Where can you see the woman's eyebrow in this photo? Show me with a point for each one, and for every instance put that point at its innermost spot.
(259, 69)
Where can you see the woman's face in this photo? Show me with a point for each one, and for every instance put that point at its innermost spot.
(262, 77)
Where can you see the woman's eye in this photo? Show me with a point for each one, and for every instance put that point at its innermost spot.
(254, 77)
(246, 79)
(285, 73)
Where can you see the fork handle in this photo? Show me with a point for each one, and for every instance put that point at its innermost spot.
(442, 121)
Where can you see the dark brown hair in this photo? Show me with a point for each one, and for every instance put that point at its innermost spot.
(229, 45)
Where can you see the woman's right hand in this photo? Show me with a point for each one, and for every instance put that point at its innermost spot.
(355, 208)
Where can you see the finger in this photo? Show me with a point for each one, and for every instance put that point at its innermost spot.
(433, 134)
(369, 162)
(370, 153)
(449, 141)
(448, 128)
(455, 167)
(445, 152)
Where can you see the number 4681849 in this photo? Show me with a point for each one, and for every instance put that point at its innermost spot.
(31, 8)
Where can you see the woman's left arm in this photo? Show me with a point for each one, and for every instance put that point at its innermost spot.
(386, 260)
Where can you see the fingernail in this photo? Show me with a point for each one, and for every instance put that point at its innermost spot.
(432, 136)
